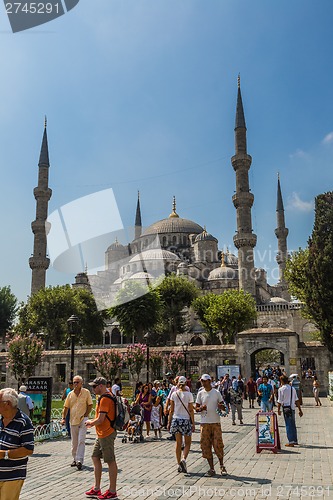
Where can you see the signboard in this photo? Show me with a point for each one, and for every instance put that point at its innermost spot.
(233, 370)
(330, 384)
(293, 361)
(267, 432)
(40, 391)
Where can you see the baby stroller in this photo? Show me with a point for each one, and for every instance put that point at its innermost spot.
(134, 427)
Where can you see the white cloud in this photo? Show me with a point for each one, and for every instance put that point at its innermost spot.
(295, 203)
(328, 139)
(299, 153)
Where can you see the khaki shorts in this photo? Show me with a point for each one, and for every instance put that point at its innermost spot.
(211, 436)
(104, 448)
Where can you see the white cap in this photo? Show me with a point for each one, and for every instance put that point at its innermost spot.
(182, 380)
(205, 376)
(23, 388)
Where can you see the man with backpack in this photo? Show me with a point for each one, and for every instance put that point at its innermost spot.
(25, 402)
(104, 422)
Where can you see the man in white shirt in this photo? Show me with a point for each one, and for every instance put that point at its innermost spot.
(116, 390)
(287, 398)
(208, 401)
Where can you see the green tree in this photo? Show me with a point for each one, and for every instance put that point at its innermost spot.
(319, 271)
(8, 309)
(200, 306)
(229, 313)
(24, 354)
(48, 310)
(108, 363)
(137, 309)
(295, 273)
(176, 293)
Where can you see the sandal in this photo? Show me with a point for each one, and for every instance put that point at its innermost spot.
(210, 473)
(223, 471)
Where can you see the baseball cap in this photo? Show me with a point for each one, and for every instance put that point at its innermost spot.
(98, 381)
(23, 388)
(182, 380)
(205, 376)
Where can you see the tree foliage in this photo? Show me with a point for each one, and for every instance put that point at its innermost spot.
(310, 271)
(8, 309)
(137, 309)
(176, 293)
(24, 354)
(155, 362)
(136, 357)
(108, 363)
(49, 308)
(229, 313)
(175, 362)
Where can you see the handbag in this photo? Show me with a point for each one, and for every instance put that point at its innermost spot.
(287, 411)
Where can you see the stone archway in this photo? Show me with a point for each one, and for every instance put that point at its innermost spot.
(249, 342)
(253, 358)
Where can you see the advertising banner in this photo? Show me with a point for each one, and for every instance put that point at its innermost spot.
(267, 432)
(40, 391)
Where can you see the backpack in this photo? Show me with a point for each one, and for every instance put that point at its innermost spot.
(22, 404)
(121, 411)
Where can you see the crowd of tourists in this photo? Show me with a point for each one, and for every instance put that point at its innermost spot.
(170, 405)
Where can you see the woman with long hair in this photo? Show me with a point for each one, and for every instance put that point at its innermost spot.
(144, 399)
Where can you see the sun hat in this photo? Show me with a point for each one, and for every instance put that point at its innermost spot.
(182, 380)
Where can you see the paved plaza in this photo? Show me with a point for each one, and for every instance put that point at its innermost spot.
(149, 470)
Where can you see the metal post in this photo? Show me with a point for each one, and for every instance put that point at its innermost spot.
(72, 323)
(72, 356)
(147, 363)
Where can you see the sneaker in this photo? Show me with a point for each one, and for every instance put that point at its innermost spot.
(79, 465)
(233, 423)
(107, 494)
(241, 422)
(73, 464)
(93, 492)
(180, 468)
(183, 466)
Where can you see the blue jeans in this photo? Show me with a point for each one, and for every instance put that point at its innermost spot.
(291, 427)
(266, 405)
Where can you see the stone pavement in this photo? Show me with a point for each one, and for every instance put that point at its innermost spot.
(149, 470)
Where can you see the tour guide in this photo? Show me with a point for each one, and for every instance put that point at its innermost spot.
(16, 444)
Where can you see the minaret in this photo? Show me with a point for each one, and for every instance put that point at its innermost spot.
(281, 233)
(39, 263)
(245, 240)
(138, 222)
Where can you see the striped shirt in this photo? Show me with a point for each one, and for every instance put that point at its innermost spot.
(19, 432)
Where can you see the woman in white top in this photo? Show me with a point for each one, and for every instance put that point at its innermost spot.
(181, 421)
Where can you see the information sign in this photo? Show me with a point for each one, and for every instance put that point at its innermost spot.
(267, 432)
(40, 391)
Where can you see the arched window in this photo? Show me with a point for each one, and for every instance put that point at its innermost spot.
(115, 336)
(107, 338)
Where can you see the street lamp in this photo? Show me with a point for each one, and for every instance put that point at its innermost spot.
(146, 337)
(185, 349)
(72, 323)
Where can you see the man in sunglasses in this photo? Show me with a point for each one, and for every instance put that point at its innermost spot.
(104, 444)
(79, 402)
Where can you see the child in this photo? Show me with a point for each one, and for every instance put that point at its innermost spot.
(156, 417)
(132, 425)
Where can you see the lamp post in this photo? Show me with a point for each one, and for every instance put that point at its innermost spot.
(72, 323)
(185, 349)
(146, 337)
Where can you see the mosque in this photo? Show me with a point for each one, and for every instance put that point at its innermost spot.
(178, 245)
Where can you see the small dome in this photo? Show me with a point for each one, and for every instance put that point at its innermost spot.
(154, 254)
(115, 246)
(182, 265)
(204, 236)
(118, 281)
(277, 300)
(231, 259)
(223, 273)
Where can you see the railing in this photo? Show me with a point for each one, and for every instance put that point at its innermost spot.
(48, 431)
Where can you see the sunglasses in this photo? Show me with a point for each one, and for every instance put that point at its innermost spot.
(79, 382)
(94, 386)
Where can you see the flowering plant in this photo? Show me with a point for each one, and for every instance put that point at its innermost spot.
(135, 358)
(108, 363)
(24, 354)
(175, 361)
(156, 362)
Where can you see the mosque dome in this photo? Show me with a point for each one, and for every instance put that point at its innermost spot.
(204, 236)
(223, 272)
(115, 246)
(230, 259)
(154, 254)
(142, 276)
(277, 300)
(173, 224)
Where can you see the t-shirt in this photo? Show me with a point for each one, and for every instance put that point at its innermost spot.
(179, 410)
(19, 432)
(78, 405)
(105, 405)
(251, 387)
(266, 391)
(210, 399)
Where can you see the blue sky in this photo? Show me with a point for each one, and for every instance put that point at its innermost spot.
(141, 95)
